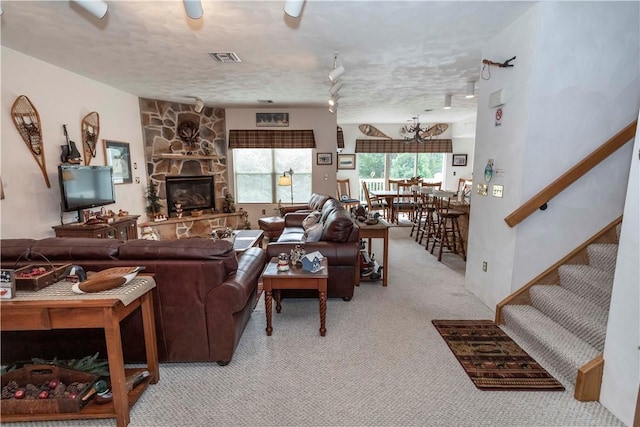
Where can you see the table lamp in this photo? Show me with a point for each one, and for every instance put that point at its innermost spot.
(286, 180)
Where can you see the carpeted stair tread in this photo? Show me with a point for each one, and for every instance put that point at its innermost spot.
(588, 282)
(603, 256)
(561, 352)
(581, 317)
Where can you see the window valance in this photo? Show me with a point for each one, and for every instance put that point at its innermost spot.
(340, 138)
(403, 146)
(257, 138)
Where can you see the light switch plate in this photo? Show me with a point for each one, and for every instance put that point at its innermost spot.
(497, 190)
(483, 189)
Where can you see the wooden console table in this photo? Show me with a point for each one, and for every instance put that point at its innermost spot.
(123, 228)
(57, 307)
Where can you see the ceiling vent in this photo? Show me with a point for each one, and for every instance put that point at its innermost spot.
(225, 57)
(265, 101)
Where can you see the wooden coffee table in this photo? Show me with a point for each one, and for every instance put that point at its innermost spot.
(295, 278)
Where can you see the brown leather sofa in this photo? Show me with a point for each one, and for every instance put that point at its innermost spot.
(339, 242)
(204, 297)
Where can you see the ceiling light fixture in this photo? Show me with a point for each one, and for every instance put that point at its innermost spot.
(293, 8)
(335, 88)
(97, 8)
(415, 133)
(337, 71)
(333, 100)
(471, 86)
(333, 109)
(447, 102)
(193, 8)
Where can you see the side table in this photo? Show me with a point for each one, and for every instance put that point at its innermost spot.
(294, 278)
(57, 307)
(378, 231)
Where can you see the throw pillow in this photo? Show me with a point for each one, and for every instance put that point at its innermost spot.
(310, 220)
(313, 233)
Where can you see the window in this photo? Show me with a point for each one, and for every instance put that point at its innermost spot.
(256, 172)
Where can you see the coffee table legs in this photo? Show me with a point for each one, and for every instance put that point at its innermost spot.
(322, 296)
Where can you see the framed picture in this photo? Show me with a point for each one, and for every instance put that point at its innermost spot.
(459, 160)
(272, 119)
(324, 159)
(346, 161)
(118, 156)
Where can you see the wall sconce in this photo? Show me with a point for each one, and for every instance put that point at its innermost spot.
(286, 180)
(447, 102)
(193, 8)
(96, 8)
(293, 8)
(471, 86)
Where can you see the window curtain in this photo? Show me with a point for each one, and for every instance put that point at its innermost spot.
(340, 138)
(257, 138)
(403, 146)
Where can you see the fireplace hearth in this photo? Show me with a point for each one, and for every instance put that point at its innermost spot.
(190, 192)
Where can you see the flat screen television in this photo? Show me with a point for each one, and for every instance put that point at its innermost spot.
(85, 187)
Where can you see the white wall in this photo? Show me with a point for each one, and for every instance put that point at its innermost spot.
(565, 99)
(622, 358)
(324, 128)
(30, 209)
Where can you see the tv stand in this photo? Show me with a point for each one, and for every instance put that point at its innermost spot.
(123, 228)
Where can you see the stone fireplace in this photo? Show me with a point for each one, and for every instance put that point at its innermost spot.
(190, 193)
(180, 143)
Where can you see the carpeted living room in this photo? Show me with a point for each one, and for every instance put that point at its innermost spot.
(381, 363)
(536, 323)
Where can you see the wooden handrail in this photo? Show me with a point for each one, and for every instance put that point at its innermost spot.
(572, 175)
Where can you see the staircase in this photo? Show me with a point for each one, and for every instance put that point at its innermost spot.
(560, 318)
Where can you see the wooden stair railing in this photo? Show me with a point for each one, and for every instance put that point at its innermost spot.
(572, 175)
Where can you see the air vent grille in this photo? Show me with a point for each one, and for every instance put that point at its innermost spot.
(225, 57)
(265, 101)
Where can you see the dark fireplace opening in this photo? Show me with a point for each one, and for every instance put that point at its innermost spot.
(191, 192)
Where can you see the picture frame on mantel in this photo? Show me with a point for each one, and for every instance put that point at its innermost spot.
(272, 119)
(118, 156)
(346, 161)
(459, 160)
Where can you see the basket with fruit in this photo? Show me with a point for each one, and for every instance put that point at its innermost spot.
(37, 276)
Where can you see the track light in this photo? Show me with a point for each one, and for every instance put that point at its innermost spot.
(336, 73)
(333, 108)
(97, 8)
(293, 8)
(333, 100)
(447, 102)
(335, 88)
(193, 8)
(470, 90)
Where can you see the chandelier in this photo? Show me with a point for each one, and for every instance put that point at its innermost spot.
(415, 133)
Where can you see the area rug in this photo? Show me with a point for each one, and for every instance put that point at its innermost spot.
(492, 360)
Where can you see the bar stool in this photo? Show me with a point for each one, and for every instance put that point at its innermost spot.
(429, 229)
(448, 230)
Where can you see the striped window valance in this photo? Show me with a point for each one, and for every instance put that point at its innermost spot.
(340, 138)
(403, 146)
(257, 138)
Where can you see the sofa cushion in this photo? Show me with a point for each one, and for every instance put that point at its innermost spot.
(330, 206)
(317, 201)
(76, 248)
(313, 233)
(13, 249)
(310, 220)
(337, 227)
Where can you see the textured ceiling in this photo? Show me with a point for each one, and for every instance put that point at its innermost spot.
(401, 57)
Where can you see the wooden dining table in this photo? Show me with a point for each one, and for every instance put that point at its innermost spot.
(389, 196)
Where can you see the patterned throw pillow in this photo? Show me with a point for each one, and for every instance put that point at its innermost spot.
(310, 220)
(313, 233)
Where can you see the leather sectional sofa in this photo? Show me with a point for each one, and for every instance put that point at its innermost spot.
(339, 242)
(204, 297)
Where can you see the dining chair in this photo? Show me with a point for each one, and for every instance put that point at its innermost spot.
(448, 232)
(344, 194)
(465, 185)
(375, 203)
(404, 201)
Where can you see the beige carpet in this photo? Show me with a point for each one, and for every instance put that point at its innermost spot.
(382, 363)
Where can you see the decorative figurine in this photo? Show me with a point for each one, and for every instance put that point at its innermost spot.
(178, 210)
(283, 262)
(296, 255)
